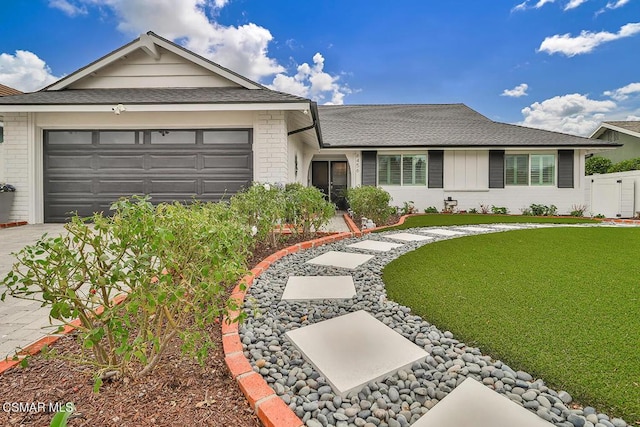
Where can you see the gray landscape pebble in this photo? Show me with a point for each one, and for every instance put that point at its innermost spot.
(397, 400)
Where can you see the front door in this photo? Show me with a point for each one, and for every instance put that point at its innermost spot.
(330, 177)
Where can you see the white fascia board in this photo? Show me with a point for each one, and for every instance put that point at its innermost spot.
(605, 126)
(283, 106)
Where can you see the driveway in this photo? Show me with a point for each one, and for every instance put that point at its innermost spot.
(21, 321)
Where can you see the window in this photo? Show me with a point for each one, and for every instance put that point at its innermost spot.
(402, 169)
(119, 137)
(517, 169)
(173, 137)
(389, 170)
(530, 169)
(225, 137)
(64, 137)
(543, 169)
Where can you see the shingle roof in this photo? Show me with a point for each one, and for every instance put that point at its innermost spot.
(431, 125)
(6, 90)
(213, 95)
(633, 126)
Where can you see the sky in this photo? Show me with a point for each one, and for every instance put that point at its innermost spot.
(562, 65)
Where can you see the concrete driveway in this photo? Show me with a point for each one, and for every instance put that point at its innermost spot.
(21, 321)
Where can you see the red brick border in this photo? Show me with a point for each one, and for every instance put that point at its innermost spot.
(13, 224)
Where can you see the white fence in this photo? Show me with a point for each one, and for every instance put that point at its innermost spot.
(614, 195)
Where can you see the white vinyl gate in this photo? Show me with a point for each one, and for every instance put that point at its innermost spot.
(615, 195)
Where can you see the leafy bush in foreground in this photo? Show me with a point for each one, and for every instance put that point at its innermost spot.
(596, 164)
(370, 202)
(306, 209)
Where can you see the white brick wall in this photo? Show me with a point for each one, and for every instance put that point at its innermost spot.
(16, 162)
(270, 149)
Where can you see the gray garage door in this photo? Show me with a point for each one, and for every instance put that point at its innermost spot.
(85, 171)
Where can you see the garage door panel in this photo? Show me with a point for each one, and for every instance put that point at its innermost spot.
(226, 161)
(90, 177)
(186, 161)
(120, 187)
(120, 162)
(174, 186)
(66, 162)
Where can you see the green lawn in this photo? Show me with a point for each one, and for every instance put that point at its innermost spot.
(561, 303)
(429, 220)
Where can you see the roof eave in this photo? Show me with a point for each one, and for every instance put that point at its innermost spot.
(604, 126)
(155, 107)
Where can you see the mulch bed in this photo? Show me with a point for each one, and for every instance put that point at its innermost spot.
(178, 392)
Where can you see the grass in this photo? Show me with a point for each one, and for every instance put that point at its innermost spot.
(429, 220)
(561, 303)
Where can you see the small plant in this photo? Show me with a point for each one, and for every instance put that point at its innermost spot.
(578, 210)
(408, 208)
(484, 209)
(526, 212)
(499, 210)
(431, 210)
(370, 202)
(473, 211)
(600, 216)
(61, 417)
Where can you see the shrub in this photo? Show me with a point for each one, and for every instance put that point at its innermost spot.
(431, 209)
(578, 210)
(526, 212)
(370, 202)
(261, 206)
(625, 165)
(174, 262)
(596, 164)
(408, 208)
(484, 209)
(543, 210)
(498, 210)
(306, 209)
(473, 211)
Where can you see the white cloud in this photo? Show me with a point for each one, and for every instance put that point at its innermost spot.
(542, 3)
(623, 93)
(516, 92)
(24, 71)
(616, 4)
(632, 117)
(573, 113)
(574, 4)
(243, 49)
(314, 82)
(586, 41)
(68, 8)
(521, 6)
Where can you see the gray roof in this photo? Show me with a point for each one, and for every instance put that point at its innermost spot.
(431, 125)
(632, 125)
(206, 95)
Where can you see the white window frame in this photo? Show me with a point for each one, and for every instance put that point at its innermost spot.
(530, 182)
(413, 175)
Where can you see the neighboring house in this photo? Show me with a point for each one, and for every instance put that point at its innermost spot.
(626, 133)
(154, 118)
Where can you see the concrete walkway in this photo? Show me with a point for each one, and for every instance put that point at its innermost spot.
(336, 223)
(21, 321)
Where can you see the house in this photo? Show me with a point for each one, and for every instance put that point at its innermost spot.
(154, 118)
(626, 133)
(4, 91)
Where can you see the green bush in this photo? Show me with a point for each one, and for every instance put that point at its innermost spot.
(431, 209)
(596, 164)
(370, 202)
(542, 210)
(407, 208)
(498, 210)
(625, 165)
(174, 263)
(261, 207)
(306, 209)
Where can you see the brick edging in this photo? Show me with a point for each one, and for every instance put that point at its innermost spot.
(12, 224)
(357, 232)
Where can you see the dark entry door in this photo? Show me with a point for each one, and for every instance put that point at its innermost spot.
(331, 178)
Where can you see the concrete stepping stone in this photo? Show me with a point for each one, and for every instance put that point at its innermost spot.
(319, 287)
(477, 229)
(408, 237)
(355, 349)
(507, 227)
(473, 404)
(442, 232)
(340, 259)
(375, 245)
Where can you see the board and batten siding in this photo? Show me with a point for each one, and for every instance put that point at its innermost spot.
(140, 70)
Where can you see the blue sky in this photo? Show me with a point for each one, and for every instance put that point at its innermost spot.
(563, 65)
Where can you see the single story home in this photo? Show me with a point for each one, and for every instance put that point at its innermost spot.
(626, 133)
(154, 118)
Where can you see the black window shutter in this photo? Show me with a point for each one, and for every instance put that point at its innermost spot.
(565, 168)
(436, 169)
(369, 166)
(496, 168)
